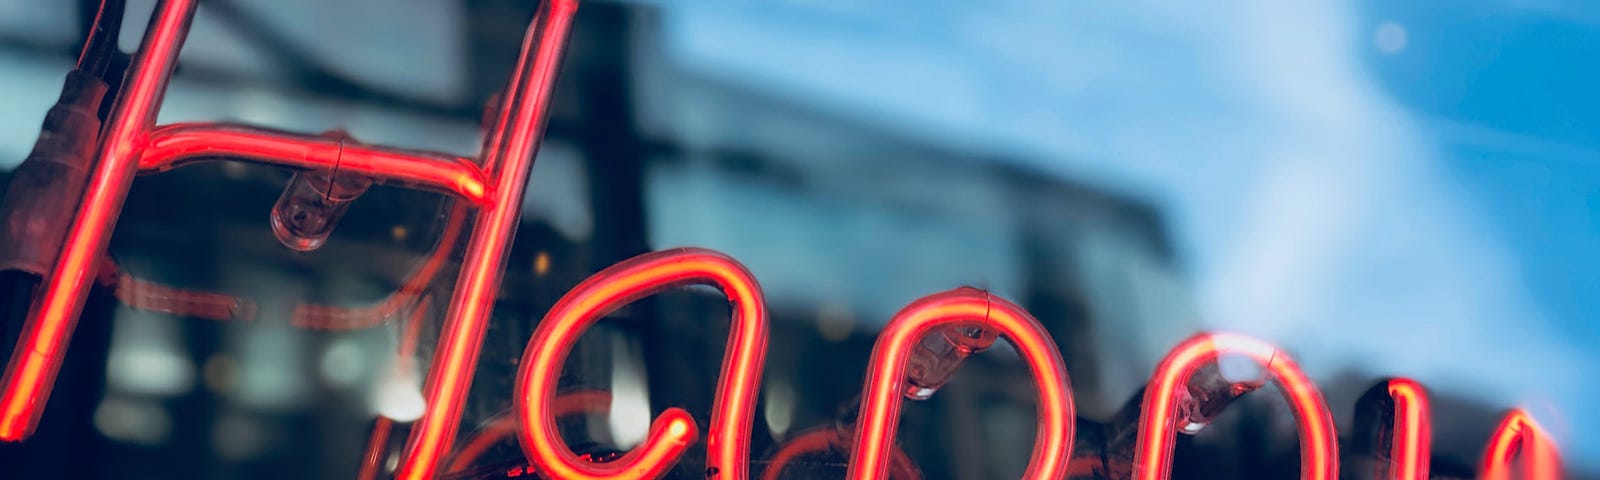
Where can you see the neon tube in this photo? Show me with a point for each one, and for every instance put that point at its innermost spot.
(51, 320)
(1520, 438)
(377, 443)
(509, 156)
(173, 146)
(1319, 448)
(886, 378)
(728, 440)
(1413, 431)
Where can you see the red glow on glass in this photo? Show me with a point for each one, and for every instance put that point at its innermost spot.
(51, 320)
(502, 427)
(173, 146)
(508, 155)
(1319, 448)
(818, 440)
(141, 294)
(372, 459)
(1413, 430)
(1519, 439)
(324, 317)
(886, 378)
(378, 440)
(827, 439)
(728, 440)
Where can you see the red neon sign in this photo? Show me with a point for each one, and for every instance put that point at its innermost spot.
(1413, 431)
(32, 370)
(132, 142)
(178, 145)
(886, 378)
(1319, 449)
(494, 186)
(728, 440)
(509, 152)
(1520, 440)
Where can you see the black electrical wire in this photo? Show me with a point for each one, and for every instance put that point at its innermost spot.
(70, 130)
(100, 46)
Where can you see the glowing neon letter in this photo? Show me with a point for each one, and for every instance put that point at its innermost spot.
(728, 449)
(1413, 431)
(1319, 449)
(54, 314)
(886, 379)
(1518, 433)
